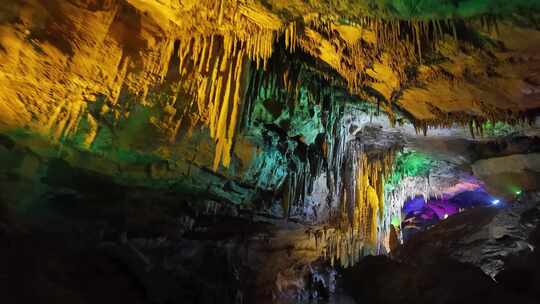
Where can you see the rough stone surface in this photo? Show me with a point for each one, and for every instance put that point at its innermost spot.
(482, 255)
(484, 237)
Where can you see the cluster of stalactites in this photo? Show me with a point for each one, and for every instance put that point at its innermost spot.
(215, 69)
(356, 182)
(407, 41)
(475, 123)
(363, 218)
(211, 69)
(219, 63)
(423, 35)
(285, 84)
(366, 206)
(356, 178)
(408, 188)
(213, 66)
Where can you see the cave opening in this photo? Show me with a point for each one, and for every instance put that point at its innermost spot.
(421, 214)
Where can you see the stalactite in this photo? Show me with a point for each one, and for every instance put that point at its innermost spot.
(474, 123)
(291, 34)
(214, 65)
(454, 31)
(407, 188)
(364, 215)
(356, 181)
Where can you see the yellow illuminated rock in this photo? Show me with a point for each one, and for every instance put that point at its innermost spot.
(190, 61)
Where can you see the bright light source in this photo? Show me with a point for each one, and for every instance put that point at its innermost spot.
(518, 192)
(446, 216)
(495, 202)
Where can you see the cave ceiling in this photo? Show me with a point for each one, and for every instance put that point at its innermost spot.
(71, 69)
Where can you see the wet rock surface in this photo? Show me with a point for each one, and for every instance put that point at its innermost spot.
(485, 255)
(482, 236)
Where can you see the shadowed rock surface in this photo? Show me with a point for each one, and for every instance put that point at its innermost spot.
(484, 254)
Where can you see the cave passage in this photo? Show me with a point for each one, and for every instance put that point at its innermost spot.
(269, 151)
(421, 214)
